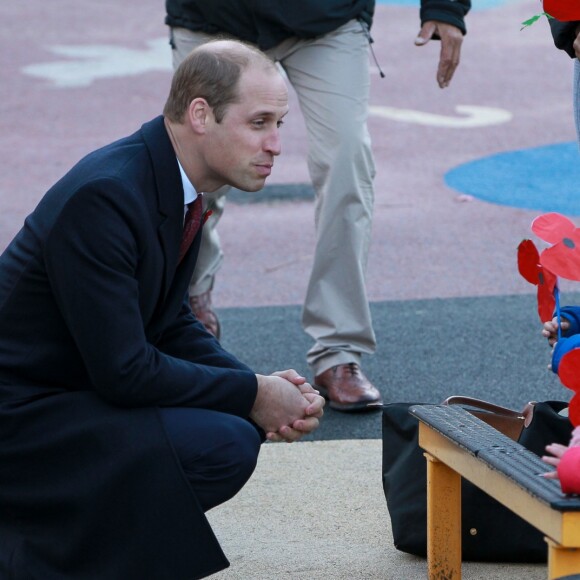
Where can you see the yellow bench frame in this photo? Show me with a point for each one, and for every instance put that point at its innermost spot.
(447, 462)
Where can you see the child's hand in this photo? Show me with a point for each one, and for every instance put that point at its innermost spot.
(550, 330)
(555, 451)
(575, 440)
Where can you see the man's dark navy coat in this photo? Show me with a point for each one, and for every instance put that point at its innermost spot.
(95, 335)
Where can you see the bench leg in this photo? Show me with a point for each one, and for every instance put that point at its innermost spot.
(443, 521)
(562, 562)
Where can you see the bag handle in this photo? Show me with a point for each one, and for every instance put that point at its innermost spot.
(526, 413)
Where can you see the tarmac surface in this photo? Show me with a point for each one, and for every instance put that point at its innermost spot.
(451, 313)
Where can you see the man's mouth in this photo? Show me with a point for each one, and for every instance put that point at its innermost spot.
(264, 169)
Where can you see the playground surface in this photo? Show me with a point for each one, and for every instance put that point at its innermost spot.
(461, 173)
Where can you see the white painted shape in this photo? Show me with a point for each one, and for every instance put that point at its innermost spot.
(473, 116)
(92, 62)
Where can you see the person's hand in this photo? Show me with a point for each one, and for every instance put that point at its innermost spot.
(296, 379)
(451, 39)
(315, 409)
(278, 403)
(555, 450)
(304, 426)
(313, 412)
(550, 330)
(285, 410)
(575, 439)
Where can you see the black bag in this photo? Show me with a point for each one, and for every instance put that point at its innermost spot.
(489, 531)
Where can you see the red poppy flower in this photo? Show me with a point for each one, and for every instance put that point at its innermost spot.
(563, 258)
(569, 373)
(574, 410)
(535, 273)
(564, 10)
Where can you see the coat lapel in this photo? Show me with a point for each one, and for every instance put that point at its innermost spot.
(169, 191)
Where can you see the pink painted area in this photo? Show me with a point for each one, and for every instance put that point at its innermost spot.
(428, 241)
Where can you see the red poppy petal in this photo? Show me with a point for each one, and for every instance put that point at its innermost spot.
(569, 370)
(528, 261)
(563, 259)
(574, 411)
(546, 299)
(564, 10)
(552, 227)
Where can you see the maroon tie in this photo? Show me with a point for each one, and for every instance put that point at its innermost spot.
(190, 225)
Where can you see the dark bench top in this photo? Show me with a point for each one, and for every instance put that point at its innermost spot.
(496, 450)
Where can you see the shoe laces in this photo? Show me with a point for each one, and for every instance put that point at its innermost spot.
(352, 368)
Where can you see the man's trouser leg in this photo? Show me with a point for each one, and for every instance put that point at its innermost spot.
(210, 253)
(331, 78)
(218, 452)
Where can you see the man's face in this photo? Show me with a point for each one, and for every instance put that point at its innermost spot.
(240, 150)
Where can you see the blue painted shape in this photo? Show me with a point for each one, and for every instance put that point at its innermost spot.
(475, 4)
(543, 178)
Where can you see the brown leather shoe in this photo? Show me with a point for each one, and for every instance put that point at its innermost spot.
(347, 389)
(201, 307)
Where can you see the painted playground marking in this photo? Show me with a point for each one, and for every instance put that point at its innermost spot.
(88, 63)
(85, 64)
(472, 116)
(543, 178)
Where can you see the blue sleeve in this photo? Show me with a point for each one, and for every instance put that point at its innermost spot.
(572, 315)
(563, 347)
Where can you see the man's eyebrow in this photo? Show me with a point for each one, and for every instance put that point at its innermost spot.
(268, 113)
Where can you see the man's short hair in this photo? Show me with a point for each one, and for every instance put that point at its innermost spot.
(211, 71)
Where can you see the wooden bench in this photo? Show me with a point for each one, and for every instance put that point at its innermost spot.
(456, 445)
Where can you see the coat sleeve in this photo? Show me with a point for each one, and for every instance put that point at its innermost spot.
(572, 315)
(564, 34)
(92, 256)
(185, 331)
(448, 11)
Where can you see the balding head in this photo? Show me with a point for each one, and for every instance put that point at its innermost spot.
(212, 72)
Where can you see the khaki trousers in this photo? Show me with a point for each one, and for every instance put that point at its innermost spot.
(330, 75)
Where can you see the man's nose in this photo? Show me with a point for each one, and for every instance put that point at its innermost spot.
(273, 143)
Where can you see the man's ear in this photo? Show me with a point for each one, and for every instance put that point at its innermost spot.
(198, 114)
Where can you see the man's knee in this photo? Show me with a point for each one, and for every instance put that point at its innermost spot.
(241, 446)
(218, 451)
(228, 463)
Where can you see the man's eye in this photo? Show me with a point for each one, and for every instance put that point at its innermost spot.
(258, 123)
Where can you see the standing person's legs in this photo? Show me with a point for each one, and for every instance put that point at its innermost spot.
(218, 452)
(331, 78)
(210, 256)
